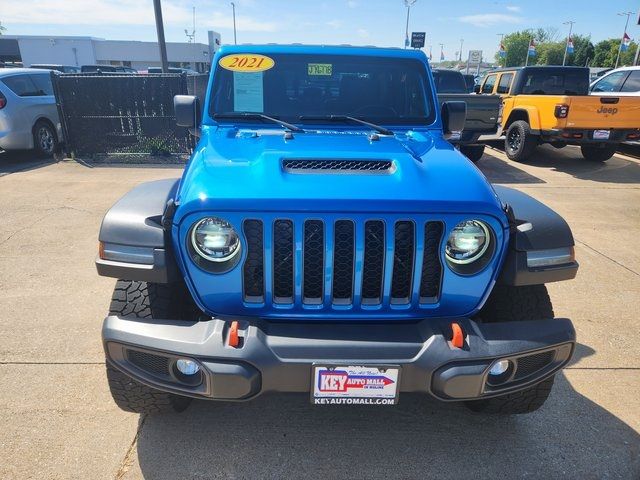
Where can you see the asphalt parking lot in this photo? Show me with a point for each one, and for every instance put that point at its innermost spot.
(57, 419)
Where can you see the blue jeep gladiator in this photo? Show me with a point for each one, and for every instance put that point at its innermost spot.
(326, 239)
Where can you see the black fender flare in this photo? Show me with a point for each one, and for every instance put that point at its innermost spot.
(541, 249)
(134, 243)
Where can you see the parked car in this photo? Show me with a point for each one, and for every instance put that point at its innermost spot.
(483, 111)
(58, 68)
(552, 105)
(325, 238)
(107, 69)
(621, 82)
(28, 112)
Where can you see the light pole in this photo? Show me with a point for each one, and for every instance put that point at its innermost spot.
(235, 39)
(157, 8)
(461, 42)
(441, 51)
(408, 4)
(628, 14)
(566, 45)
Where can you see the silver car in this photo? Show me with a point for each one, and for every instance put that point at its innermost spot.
(28, 114)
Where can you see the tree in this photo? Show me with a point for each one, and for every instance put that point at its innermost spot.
(606, 51)
(2, 28)
(550, 53)
(516, 45)
(583, 50)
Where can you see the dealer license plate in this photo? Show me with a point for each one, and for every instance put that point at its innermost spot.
(355, 385)
(601, 134)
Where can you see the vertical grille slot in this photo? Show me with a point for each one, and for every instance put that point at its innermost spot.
(253, 269)
(313, 262)
(403, 257)
(343, 255)
(373, 262)
(431, 277)
(283, 261)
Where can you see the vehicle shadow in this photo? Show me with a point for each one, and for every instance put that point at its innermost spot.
(283, 436)
(498, 171)
(21, 161)
(569, 160)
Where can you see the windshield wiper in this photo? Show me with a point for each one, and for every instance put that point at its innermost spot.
(345, 118)
(259, 116)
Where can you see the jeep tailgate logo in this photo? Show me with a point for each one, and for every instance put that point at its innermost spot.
(611, 110)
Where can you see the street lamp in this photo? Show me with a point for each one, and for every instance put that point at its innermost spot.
(235, 40)
(627, 14)
(408, 4)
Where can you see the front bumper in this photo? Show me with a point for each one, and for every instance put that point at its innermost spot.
(278, 357)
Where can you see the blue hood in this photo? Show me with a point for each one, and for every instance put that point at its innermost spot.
(238, 174)
(236, 169)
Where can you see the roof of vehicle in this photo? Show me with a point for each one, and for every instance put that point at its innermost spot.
(12, 71)
(531, 67)
(631, 67)
(324, 49)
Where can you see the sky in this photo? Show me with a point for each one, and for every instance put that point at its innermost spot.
(355, 22)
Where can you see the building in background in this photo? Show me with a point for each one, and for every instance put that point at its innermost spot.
(63, 50)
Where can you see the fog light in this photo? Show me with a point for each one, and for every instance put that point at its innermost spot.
(187, 367)
(499, 368)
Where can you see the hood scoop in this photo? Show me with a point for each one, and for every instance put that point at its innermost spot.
(338, 166)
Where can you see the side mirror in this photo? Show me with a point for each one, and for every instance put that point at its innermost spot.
(454, 114)
(187, 110)
(476, 88)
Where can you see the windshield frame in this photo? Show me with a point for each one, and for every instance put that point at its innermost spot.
(422, 69)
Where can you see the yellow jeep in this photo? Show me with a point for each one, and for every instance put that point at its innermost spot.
(553, 105)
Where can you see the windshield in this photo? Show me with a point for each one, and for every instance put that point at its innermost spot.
(376, 89)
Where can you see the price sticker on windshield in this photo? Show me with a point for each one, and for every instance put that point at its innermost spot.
(246, 62)
(320, 69)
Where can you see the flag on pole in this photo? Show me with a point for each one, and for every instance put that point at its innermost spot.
(570, 46)
(430, 56)
(532, 48)
(626, 40)
(502, 52)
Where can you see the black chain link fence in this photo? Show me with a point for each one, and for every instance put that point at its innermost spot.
(123, 114)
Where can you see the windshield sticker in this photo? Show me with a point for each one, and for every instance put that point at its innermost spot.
(320, 69)
(246, 62)
(248, 92)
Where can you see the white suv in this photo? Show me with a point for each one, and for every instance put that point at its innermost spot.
(620, 82)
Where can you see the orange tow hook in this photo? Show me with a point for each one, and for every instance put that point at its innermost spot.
(234, 339)
(457, 337)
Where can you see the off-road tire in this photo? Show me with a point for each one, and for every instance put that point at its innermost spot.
(519, 142)
(472, 152)
(133, 396)
(508, 303)
(45, 139)
(134, 299)
(596, 153)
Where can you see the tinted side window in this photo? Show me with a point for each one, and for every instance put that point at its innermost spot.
(505, 82)
(632, 83)
(21, 85)
(487, 86)
(610, 83)
(548, 82)
(43, 84)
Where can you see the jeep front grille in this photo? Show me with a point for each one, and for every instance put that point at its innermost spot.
(333, 165)
(342, 262)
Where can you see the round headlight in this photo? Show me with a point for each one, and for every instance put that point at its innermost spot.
(467, 242)
(215, 240)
